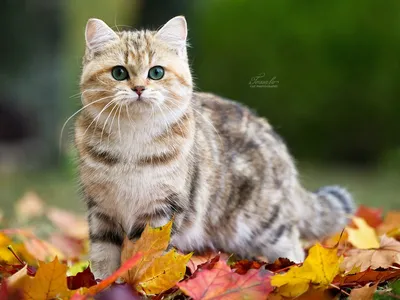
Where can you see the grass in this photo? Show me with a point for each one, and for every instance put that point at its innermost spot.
(379, 188)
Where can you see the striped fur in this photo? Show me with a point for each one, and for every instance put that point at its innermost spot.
(222, 172)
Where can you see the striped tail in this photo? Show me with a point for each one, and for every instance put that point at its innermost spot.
(327, 210)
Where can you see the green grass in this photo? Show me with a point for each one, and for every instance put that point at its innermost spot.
(60, 188)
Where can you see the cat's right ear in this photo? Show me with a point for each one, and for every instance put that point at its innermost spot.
(98, 34)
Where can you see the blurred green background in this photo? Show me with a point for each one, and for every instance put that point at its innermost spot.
(330, 72)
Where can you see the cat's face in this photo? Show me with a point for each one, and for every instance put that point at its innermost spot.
(136, 73)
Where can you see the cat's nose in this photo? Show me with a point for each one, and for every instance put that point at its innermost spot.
(139, 89)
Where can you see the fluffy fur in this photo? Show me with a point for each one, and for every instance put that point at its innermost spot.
(222, 172)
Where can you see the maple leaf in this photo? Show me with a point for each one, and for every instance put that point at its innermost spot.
(154, 273)
(163, 273)
(364, 293)
(385, 256)
(50, 282)
(390, 223)
(81, 279)
(197, 260)
(364, 237)
(152, 243)
(242, 266)
(319, 268)
(221, 283)
(8, 257)
(373, 216)
(128, 264)
(63, 220)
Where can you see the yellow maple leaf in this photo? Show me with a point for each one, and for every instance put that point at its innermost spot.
(364, 237)
(50, 282)
(154, 273)
(163, 273)
(152, 243)
(319, 269)
(7, 256)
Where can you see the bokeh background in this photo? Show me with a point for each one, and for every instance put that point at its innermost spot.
(332, 91)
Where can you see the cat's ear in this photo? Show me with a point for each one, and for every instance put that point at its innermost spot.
(174, 33)
(98, 34)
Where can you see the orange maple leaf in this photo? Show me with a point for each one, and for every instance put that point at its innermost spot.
(50, 282)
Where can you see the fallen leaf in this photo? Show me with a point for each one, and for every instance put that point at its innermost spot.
(197, 260)
(7, 256)
(242, 266)
(385, 256)
(128, 264)
(319, 268)
(42, 250)
(63, 220)
(119, 292)
(364, 237)
(81, 279)
(367, 276)
(221, 283)
(391, 222)
(279, 265)
(28, 207)
(50, 282)
(364, 293)
(373, 216)
(163, 273)
(17, 280)
(152, 243)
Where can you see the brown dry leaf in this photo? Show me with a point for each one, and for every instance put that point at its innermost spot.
(368, 276)
(364, 293)
(152, 244)
(63, 220)
(364, 237)
(385, 256)
(29, 206)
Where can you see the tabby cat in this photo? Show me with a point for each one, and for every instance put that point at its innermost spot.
(151, 149)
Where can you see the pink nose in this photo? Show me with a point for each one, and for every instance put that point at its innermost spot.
(139, 89)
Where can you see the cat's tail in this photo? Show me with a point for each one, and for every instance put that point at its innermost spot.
(327, 210)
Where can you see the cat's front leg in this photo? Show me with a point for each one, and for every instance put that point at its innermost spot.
(106, 239)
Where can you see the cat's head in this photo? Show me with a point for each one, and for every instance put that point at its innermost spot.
(140, 71)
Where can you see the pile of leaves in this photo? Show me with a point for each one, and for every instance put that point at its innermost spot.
(43, 255)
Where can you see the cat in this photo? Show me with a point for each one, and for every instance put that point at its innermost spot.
(151, 149)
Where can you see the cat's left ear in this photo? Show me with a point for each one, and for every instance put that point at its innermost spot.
(174, 33)
(98, 34)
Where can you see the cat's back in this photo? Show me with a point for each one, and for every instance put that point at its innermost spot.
(230, 119)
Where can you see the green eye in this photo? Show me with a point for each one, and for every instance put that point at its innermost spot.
(156, 73)
(119, 73)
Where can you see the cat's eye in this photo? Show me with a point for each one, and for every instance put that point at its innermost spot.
(119, 73)
(156, 73)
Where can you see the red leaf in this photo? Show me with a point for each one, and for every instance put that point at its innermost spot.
(242, 266)
(280, 264)
(82, 279)
(121, 271)
(222, 283)
(373, 216)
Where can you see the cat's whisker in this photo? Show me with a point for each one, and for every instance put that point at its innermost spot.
(119, 125)
(98, 117)
(73, 115)
(105, 124)
(112, 121)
